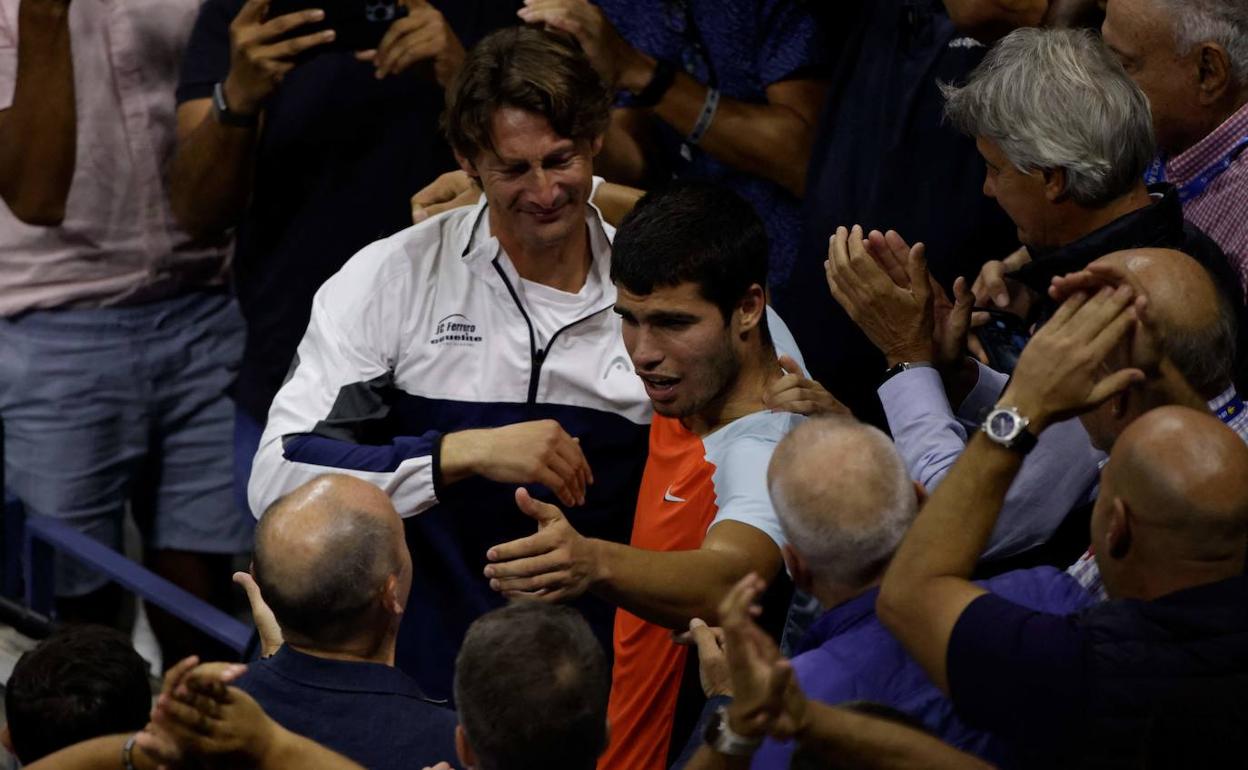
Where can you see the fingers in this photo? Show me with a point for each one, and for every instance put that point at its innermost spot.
(884, 249)
(1114, 384)
(544, 563)
(407, 50)
(709, 643)
(174, 676)
(254, 598)
(990, 286)
(542, 513)
(275, 28)
(790, 365)
(916, 267)
(734, 609)
(279, 54)
(577, 474)
(253, 11)
(444, 189)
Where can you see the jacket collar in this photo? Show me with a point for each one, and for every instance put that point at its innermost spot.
(1154, 225)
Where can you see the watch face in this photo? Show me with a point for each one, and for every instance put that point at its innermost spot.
(1001, 424)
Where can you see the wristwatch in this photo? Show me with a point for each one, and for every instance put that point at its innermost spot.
(720, 737)
(1007, 427)
(904, 366)
(221, 109)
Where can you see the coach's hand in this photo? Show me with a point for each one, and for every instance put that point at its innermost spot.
(555, 564)
(537, 452)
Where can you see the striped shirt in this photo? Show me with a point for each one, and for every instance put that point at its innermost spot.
(1221, 210)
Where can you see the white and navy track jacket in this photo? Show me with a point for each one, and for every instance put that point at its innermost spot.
(424, 334)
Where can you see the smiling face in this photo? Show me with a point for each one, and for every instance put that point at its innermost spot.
(1024, 196)
(680, 346)
(1141, 35)
(536, 182)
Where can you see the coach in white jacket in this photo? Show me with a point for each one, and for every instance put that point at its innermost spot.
(477, 351)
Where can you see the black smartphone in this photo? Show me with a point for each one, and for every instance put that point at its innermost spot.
(359, 24)
(1003, 337)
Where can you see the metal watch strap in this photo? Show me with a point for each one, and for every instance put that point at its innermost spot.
(225, 116)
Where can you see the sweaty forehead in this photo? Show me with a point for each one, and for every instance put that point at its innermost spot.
(519, 134)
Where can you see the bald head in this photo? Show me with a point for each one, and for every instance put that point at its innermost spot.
(324, 552)
(1196, 319)
(843, 497)
(1183, 477)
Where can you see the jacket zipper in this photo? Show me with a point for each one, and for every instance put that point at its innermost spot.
(537, 356)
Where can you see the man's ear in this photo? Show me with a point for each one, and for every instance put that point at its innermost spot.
(595, 147)
(1214, 65)
(797, 568)
(1054, 184)
(468, 167)
(390, 596)
(466, 756)
(1118, 530)
(751, 309)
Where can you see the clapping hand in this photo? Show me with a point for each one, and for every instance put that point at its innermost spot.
(766, 697)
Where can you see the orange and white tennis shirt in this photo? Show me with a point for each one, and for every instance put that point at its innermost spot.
(690, 484)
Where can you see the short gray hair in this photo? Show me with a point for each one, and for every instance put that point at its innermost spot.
(843, 497)
(1224, 22)
(1058, 98)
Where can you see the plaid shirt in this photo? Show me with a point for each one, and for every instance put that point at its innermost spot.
(1222, 209)
(1085, 570)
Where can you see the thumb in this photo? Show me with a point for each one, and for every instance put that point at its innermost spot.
(542, 513)
(1113, 384)
(704, 638)
(252, 590)
(791, 366)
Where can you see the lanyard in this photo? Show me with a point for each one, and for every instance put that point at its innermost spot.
(1196, 187)
(1231, 409)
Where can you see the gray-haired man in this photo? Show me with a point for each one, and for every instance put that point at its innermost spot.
(1070, 179)
(1191, 58)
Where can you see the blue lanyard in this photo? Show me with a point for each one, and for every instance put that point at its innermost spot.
(1196, 187)
(1231, 409)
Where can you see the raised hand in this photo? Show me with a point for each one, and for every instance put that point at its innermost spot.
(897, 319)
(538, 452)
(422, 35)
(266, 623)
(259, 60)
(1064, 369)
(451, 190)
(713, 671)
(766, 698)
(555, 564)
(618, 63)
(797, 393)
(951, 323)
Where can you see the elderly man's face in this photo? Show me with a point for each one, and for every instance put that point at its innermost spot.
(537, 182)
(1020, 194)
(1141, 35)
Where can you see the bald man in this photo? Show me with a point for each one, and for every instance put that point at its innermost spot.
(1102, 687)
(332, 564)
(1196, 327)
(842, 529)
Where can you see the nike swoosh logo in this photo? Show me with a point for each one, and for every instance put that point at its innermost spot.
(669, 497)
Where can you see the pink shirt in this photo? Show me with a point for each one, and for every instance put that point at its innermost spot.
(1222, 209)
(119, 243)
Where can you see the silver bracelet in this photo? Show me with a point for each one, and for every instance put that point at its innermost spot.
(126, 760)
(709, 107)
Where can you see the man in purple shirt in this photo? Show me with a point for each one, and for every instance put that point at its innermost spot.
(1111, 685)
(842, 529)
